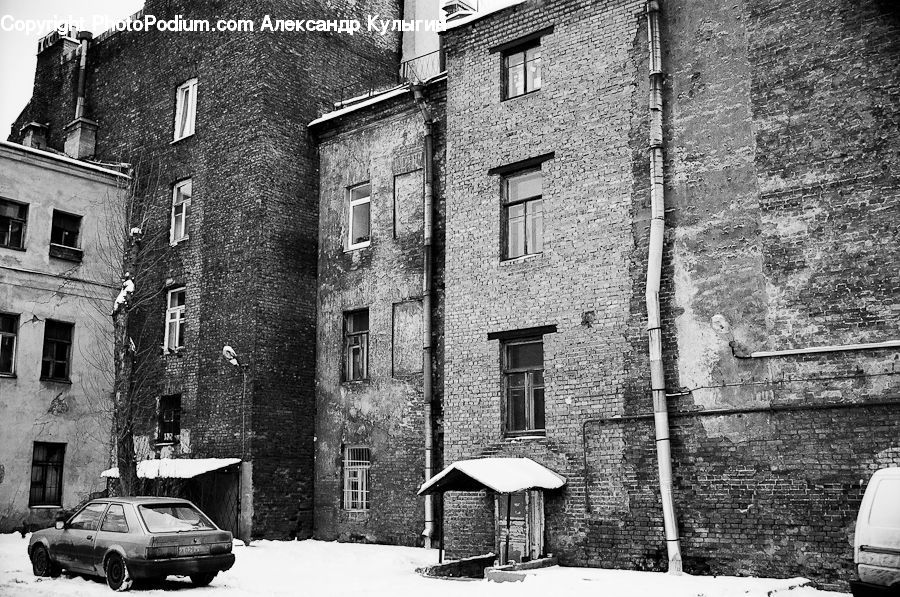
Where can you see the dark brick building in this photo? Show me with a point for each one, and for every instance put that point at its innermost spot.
(247, 265)
(779, 287)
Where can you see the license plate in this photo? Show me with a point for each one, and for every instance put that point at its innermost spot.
(192, 550)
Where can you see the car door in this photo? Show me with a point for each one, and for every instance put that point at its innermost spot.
(114, 530)
(77, 539)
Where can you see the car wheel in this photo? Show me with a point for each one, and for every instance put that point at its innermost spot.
(117, 577)
(201, 580)
(41, 564)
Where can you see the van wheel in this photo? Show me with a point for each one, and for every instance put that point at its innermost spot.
(201, 580)
(117, 577)
(41, 564)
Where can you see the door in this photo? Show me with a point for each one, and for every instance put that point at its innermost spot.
(76, 542)
(113, 531)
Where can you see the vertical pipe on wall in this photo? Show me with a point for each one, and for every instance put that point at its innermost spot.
(427, 295)
(654, 271)
(85, 38)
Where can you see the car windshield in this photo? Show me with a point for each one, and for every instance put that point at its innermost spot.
(168, 518)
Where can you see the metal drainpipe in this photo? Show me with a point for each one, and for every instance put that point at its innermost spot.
(654, 269)
(427, 292)
(85, 38)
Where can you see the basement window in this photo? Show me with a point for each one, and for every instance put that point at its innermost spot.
(360, 217)
(185, 109)
(13, 217)
(357, 460)
(181, 210)
(356, 345)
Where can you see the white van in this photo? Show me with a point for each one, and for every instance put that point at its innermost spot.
(876, 550)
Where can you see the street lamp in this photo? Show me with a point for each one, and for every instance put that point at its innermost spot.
(243, 525)
(230, 355)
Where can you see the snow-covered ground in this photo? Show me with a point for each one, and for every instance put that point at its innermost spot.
(318, 568)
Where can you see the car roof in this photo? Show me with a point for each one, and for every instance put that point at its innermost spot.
(140, 499)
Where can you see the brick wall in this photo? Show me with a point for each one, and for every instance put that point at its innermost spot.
(781, 202)
(250, 263)
(383, 146)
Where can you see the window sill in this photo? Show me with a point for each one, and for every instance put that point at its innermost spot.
(521, 95)
(172, 352)
(67, 253)
(355, 382)
(523, 435)
(164, 444)
(175, 243)
(180, 139)
(45, 507)
(22, 249)
(56, 380)
(521, 258)
(8, 375)
(352, 248)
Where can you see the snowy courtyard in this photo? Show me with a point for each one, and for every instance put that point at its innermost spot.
(349, 569)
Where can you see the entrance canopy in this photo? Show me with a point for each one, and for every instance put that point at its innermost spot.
(175, 468)
(502, 475)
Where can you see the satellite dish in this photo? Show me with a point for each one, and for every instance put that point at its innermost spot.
(229, 354)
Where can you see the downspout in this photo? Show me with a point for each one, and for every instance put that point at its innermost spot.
(427, 293)
(654, 269)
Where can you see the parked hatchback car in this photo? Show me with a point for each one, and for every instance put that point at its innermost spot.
(876, 549)
(131, 538)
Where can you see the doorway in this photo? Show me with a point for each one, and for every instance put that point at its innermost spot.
(519, 526)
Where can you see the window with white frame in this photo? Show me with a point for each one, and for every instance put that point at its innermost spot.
(523, 214)
(181, 210)
(360, 216)
(357, 461)
(185, 109)
(175, 319)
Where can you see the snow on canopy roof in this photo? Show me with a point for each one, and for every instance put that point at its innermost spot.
(175, 468)
(490, 7)
(503, 475)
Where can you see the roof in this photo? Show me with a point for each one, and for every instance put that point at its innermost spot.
(139, 499)
(502, 475)
(63, 159)
(492, 7)
(386, 95)
(175, 468)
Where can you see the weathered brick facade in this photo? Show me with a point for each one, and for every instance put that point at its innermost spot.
(781, 210)
(382, 145)
(249, 266)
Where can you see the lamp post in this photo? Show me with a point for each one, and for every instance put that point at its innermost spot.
(246, 476)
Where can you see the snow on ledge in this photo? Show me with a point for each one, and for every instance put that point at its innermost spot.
(503, 475)
(175, 468)
(386, 95)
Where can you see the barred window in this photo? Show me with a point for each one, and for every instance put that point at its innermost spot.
(46, 474)
(356, 478)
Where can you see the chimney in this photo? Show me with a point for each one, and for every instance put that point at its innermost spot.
(81, 133)
(34, 134)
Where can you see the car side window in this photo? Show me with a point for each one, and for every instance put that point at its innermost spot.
(87, 519)
(114, 521)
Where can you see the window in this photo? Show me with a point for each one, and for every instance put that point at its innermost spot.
(360, 216)
(181, 210)
(175, 320)
(169, 418)
(9, 331)
(523, 214)
(114, 521)
(185, 109)
(12, 224)
(356, 478)
(522, 70)
(65, 229)
(356, 345)
(57, 350)
(46, 474)
(523, 380)
(88, 518)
